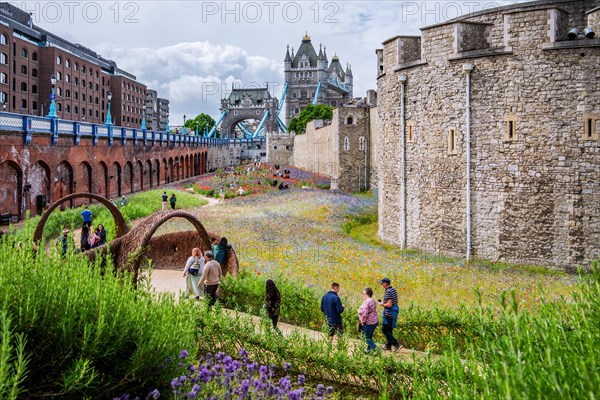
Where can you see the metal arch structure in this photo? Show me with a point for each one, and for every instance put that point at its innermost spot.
(128, 251)
(120, 223)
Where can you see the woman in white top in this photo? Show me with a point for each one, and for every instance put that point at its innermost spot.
(192, 272)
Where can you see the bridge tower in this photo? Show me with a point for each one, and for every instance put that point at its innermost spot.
(244, 105)
(305, 69)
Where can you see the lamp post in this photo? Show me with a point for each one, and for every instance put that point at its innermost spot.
(52, 112)
(183, 130)
(108, 117)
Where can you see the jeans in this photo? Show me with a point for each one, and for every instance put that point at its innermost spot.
(389, 335)
(211, 292)
(368, 331)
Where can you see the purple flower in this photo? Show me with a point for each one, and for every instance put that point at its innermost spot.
(329, 391)
(320, 390)
(155, 394)
(301, 380)
(287, 366)
(183, 354)
(243, 353)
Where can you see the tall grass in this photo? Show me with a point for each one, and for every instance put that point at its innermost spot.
(87, 333)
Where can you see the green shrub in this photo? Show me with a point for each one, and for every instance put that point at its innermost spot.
(300, 305)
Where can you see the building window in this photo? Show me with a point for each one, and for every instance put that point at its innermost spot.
(3, 77)
(589, 128)
(83, 69)
(59, 60)
(68, 63)
(346, 144)
(23, 105)
(2, 97)
(67, 78)
(34, 105)
(90, 112)
(90, 85)
(510, 128)
(59, 106)
(34, 89)
(97, 74)
(58, 91)
(3, 59)
(76, 110)
(23, 87)
(24, 69)
(75, 66)
(91, 71)
(3, 39)
(96, 100)
(76, 81)
(452, 148)
(83, 83)
(68, 108)
(24, 52)
(59, 76)
(361, 143)
(34, 72)
(410, 132)
(350, 120)
(83, 111)
(76, 96)
(34, 56)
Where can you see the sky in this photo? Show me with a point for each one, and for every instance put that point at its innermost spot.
(192, 52)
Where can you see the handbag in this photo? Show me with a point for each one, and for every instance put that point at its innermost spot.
(193, 271)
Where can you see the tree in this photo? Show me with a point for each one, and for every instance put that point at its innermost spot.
(204, 122)
(311, 112)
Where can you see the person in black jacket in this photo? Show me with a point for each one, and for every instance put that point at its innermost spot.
(272, 302)
(332, 308)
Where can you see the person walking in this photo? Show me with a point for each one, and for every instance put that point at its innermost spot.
(272, 302)
(173, 200)
(332, 308)
(367, 318)
(165, 201)
(192, 272)
(123, 201)
(211, 277)
(389, 315)
(86, 214)
(221, 250)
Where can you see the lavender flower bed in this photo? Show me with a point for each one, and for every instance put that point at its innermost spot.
(223, 377)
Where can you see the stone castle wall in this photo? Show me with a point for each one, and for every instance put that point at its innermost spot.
(345, 150)
(535, 195)
(317, 149)
(280, 148)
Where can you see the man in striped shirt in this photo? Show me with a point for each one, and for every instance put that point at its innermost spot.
(390, 314)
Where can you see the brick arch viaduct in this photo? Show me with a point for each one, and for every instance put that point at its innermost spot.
(37, 170)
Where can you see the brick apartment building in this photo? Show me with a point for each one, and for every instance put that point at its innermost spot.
(30, 56)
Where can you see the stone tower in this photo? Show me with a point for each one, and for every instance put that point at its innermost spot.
(304, 70)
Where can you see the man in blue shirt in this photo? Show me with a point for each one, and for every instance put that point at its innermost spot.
(87, 216)
(332, 307)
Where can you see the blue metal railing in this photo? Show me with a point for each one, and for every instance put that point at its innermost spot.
(55, 128)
